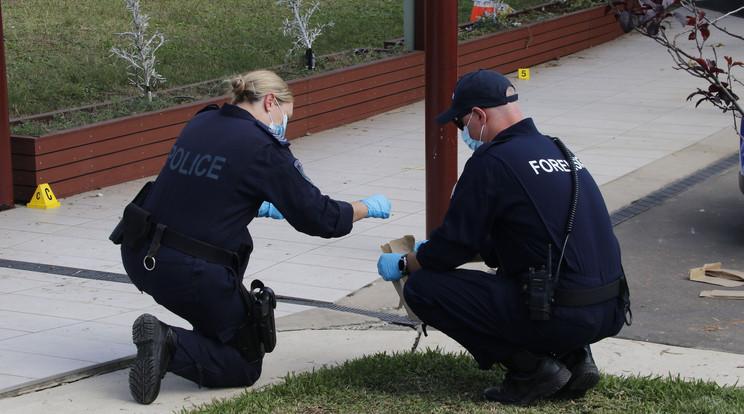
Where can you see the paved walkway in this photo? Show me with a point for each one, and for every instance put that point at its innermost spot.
(619, 106)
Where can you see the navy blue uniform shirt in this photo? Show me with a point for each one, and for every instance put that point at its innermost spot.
(512, 200)
(222, 167)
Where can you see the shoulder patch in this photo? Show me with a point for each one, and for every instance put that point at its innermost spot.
(298, 167)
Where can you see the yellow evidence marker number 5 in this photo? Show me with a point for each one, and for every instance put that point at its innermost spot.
(523, 74)
(43, 198)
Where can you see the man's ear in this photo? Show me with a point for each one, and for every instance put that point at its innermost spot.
(481, 114)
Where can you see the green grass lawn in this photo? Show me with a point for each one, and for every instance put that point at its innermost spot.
(58, 50)
(432, 382)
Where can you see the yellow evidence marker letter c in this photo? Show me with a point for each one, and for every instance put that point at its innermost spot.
(43, 198)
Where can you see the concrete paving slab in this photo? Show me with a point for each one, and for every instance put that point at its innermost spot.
(31, 322)
(78, 348)
(10, 333)
(56, 307)
(11, 284)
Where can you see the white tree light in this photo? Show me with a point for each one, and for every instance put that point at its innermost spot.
(298, 27)
(140, 55)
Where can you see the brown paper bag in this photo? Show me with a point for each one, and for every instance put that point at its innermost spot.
(713, 274)
(404, 245)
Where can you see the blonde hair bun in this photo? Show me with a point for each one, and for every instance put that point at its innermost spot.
(254, 85)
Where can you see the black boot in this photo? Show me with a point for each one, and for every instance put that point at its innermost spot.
(529, 378)
(156, 344)
(584, 373)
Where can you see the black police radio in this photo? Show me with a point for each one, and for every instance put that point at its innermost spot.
(539, 284)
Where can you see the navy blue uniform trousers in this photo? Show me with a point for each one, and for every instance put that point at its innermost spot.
(208, 297)
(487, 315)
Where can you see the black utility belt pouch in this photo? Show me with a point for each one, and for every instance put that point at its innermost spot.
(257, 336)
(538, 288)
(135, 222)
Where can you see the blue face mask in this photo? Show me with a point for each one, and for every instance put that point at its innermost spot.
(279, 130)
(470, 142)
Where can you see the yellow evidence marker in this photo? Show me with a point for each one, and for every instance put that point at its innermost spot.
(523, 74)
(43, 198)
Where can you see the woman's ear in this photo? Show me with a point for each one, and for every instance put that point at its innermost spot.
(268, 101)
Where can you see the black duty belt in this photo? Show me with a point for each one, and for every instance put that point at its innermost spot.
(592, 296)
(137, 227)
(162, 235)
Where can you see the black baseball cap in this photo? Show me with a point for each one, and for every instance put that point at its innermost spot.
(482, 88)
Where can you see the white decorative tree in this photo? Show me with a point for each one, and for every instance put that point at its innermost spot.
(298, 27)
(140, 54)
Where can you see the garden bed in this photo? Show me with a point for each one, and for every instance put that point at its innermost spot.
(119, 150)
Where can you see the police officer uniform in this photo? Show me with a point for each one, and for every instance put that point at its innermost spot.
(223, 166)
(510, 204)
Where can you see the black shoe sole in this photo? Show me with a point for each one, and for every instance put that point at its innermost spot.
(144, 376)
(542, 390)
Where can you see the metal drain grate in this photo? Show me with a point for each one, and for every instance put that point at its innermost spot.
(671, 190)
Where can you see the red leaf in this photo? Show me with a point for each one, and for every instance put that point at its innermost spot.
(704, 31)
(714, 88)
(701, 15)
(702, 63)
(691, 20)
(729, 60)
(691, 36)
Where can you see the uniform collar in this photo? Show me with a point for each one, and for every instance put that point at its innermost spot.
(235, 111)
(523, 127)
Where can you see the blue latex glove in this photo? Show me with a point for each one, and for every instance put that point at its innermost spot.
(418, 244)
(387, 266)
(378, 206)
(268, 210)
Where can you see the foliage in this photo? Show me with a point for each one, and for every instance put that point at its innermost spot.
(140, 56)
(690, 49)
(528, 11)
(580, 4)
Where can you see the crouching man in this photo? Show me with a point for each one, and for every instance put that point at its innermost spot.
(528, 207)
